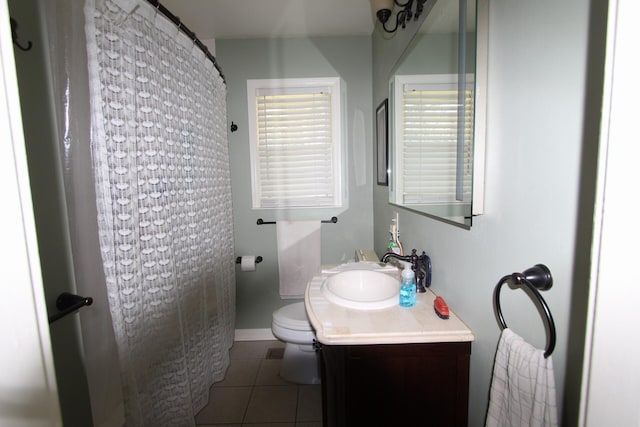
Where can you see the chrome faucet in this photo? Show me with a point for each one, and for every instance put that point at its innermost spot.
(420, 264)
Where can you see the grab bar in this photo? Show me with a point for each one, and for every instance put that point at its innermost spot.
(333, 220)
(67, 303)
(535, 278)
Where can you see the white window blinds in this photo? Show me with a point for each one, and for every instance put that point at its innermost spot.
(295, 146)
(435, 137)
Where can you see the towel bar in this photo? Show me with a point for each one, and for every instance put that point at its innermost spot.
(535, 278)
(333, 220)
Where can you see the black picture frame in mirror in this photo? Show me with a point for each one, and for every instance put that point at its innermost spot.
(382, 142)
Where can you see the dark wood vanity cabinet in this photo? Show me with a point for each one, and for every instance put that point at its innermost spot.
(395, 384)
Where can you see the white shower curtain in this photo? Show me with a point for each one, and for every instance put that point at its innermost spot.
(160, 158)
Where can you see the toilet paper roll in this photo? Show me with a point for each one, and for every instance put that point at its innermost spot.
(248, 263)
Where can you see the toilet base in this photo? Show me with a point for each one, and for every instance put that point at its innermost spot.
(300, 364)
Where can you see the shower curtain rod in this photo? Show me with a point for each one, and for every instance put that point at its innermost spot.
(173, 18)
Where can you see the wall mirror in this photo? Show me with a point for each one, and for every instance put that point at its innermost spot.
(437, 114)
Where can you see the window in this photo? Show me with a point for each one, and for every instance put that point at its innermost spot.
(434, 137)
(295, 139)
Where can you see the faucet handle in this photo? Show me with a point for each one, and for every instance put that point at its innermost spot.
(423, 272)
(427, 262)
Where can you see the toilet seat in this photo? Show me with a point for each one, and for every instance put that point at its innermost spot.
(292, 316)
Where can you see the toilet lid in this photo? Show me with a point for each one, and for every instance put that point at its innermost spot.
(292, 316)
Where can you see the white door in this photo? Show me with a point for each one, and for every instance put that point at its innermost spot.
(611, 380)
(28, 393)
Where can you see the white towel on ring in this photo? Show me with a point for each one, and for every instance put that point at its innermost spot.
(298, 255)
(523, 391)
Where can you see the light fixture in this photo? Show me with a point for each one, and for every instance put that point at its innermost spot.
(383, 8)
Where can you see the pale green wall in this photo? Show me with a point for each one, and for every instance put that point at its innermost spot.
(534, 186)
(346, 57)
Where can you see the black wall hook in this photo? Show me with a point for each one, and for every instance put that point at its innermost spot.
(234, 127)
(14, 36)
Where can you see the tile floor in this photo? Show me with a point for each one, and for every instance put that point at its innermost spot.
(253, 394)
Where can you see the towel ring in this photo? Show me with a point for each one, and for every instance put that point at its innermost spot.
(535, 278)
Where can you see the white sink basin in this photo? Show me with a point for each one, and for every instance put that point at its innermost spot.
(362, 289)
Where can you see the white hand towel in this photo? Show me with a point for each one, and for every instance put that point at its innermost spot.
(298, 255)
(523, 391)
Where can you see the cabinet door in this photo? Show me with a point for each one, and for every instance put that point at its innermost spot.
(409, 384)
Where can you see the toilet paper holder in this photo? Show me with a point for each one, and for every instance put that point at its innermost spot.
(258, 260)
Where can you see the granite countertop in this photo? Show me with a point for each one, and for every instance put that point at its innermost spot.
(335, 324)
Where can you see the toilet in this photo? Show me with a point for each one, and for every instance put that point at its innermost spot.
(300, 361)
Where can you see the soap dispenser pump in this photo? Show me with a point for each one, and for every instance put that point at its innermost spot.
(408, 286)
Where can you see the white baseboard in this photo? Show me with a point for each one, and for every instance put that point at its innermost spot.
(254, 335)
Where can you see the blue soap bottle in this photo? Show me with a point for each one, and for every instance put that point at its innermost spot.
(408, 286)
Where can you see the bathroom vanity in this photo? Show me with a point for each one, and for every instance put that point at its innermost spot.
(392, 366)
